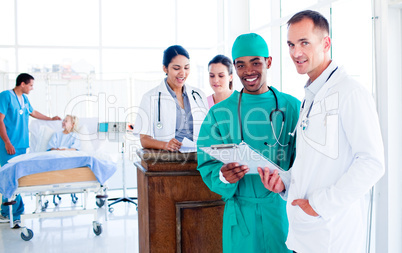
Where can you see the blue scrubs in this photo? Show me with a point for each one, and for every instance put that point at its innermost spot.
(16, 120)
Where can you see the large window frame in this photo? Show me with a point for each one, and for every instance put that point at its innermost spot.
(56, 64)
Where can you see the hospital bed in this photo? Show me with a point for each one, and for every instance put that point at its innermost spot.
(42, 173)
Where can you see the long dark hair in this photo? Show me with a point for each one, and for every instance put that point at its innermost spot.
(172, 52)
(225, 61)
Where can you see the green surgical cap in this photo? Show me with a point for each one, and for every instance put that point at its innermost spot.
(250, 44)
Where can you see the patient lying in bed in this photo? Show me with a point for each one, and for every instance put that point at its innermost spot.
(39, 160)
(67, 138)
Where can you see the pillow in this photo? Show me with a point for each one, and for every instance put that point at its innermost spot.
(41, 131)
(45, 134)
(85, 138)
(38, 131)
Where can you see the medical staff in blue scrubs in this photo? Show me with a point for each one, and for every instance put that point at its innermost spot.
(15, 110)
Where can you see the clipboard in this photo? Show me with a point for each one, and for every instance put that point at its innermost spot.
(242, 154)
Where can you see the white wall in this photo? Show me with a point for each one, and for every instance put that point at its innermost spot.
(394, 129)
(238, 23)
(388, 204)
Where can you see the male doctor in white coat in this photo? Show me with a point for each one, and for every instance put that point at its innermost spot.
(339, 149)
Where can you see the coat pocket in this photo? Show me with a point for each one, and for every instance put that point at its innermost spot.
(323, 133)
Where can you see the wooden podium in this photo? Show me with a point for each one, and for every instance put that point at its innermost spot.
(176, 210)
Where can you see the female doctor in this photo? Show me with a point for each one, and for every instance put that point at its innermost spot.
(173, 110)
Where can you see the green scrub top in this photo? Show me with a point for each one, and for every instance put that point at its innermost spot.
(255, 218)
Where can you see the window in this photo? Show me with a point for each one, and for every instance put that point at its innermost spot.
(82, 47)
(58, 23)
(7, 25)
(351, 41)
(127, 23)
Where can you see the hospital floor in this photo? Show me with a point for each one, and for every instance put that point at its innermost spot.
(75, 234)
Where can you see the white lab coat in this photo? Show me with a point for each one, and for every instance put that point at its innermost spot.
(147, 117)
(339, 157)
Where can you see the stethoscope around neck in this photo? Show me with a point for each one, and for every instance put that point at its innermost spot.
(276, 110)
(21, 103)
(159, 124)
(305, 122)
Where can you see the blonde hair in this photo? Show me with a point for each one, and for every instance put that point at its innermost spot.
(75, 122)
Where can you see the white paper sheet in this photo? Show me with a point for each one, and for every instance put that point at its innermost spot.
(53, 153)
(188, 146)
(244, 155)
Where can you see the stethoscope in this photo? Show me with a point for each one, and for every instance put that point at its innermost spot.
(196, 101)
(305, 122)
(21, 103)
(159, 124)
(270, 119)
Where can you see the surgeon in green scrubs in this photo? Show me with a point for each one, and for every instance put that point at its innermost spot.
(255, 218)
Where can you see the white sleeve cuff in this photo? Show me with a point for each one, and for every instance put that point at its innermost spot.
(313, 205)
(222, 178)
(286, 178)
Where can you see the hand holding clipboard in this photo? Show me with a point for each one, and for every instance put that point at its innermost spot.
(242, 154)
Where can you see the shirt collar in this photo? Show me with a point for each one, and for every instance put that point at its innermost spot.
(172, 92)
(312, 88)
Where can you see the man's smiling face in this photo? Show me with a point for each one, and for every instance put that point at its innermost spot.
(252, 71)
